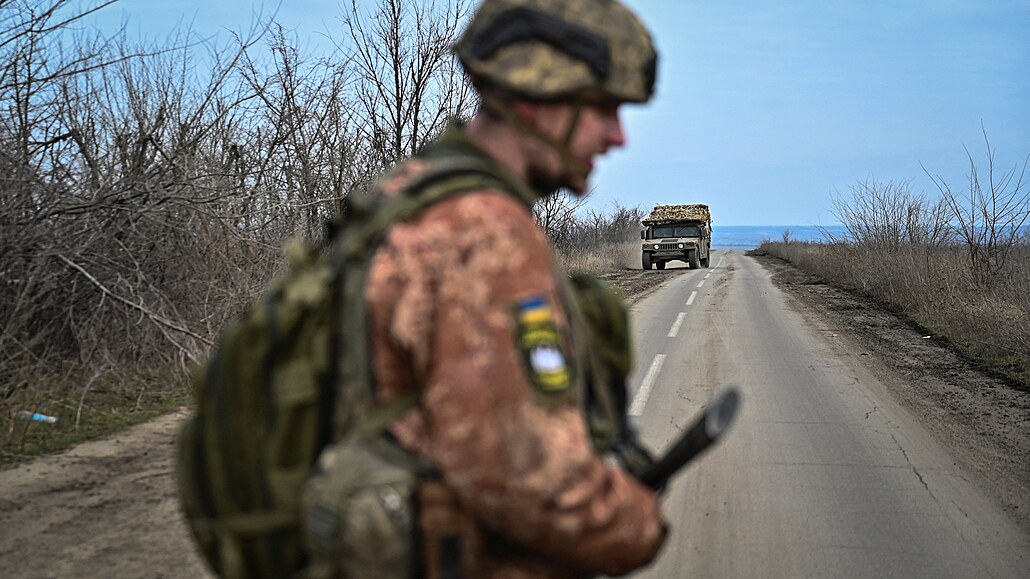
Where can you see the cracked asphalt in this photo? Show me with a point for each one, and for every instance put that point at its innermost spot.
(844, 462)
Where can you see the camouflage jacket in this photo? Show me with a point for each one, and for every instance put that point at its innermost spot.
(464, 306)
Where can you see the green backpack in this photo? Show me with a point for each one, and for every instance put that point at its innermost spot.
(288, 379)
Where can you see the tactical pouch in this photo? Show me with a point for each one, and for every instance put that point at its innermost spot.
(359, 511)
(610, 355)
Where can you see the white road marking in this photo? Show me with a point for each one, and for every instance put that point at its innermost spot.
(700, 283)
(708, 275)
(720, 261)
(690, 300)
(676, 325)
(640, 400)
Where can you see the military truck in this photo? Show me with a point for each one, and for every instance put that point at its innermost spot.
(677, 232)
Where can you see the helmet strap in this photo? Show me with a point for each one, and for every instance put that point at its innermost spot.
(502, 107)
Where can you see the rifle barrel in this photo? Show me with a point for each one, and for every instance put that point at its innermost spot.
(705, 431)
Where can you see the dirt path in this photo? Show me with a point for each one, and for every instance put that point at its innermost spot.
(109, 508)
(105, 508)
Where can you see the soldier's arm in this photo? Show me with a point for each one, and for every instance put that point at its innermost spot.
(464, 285)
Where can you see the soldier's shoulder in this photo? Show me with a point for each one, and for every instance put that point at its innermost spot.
(470, 223)
(489, 208)
(400, 179)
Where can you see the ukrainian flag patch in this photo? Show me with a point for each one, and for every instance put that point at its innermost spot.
(538, 340)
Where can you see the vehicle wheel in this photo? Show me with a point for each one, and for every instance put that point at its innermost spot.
(645, 260)
(660, 265)
(706, 261)
(694, 263)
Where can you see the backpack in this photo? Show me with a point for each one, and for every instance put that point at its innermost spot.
(286, 382)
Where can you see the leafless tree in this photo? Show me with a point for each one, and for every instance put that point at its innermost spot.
(302, 153)
(146, 191)
(407, 82)
(108, 180)
(990, 216)
(556, 215)
(885, 217)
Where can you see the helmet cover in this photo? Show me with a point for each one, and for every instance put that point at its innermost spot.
(560, 50)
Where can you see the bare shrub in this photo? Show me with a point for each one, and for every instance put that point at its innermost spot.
(595, 241)
(989, 217)
(145, 191)
(556, 215)
(295, 150)
(887, 216)
(892, 234)
(899, 252)
(409, 83)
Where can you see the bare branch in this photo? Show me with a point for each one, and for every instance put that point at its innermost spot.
(156, 318)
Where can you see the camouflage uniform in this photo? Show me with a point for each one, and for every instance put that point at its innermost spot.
(521, 492)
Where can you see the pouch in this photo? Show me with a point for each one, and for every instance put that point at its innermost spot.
(360, 519)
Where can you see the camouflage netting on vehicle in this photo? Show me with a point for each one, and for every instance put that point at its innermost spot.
(669, 213)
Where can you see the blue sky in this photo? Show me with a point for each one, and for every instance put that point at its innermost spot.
(765, 110)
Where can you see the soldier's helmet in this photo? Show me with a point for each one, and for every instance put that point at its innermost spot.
(590, 51)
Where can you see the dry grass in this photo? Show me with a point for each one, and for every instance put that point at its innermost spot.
(84, 408)
(988, 322)
(604, 257)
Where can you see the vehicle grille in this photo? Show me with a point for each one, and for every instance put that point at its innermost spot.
(669, 247)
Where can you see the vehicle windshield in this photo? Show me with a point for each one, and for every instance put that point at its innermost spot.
(676, 231)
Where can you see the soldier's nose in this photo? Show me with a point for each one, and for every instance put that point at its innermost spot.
(616, 134)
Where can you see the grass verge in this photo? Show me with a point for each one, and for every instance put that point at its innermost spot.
(84, 410)
(987, 323)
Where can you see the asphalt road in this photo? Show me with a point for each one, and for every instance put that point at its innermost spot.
(823, 475)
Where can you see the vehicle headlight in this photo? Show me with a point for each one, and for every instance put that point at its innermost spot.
(656, 246)
(681, 246)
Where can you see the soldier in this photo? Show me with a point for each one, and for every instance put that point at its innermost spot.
(466, 307)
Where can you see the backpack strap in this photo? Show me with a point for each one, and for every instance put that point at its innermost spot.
(367, 221)
(443, 179)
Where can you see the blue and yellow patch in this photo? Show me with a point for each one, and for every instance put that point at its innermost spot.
(538, 340)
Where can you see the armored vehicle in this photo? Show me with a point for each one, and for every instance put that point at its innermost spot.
(676, 232)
